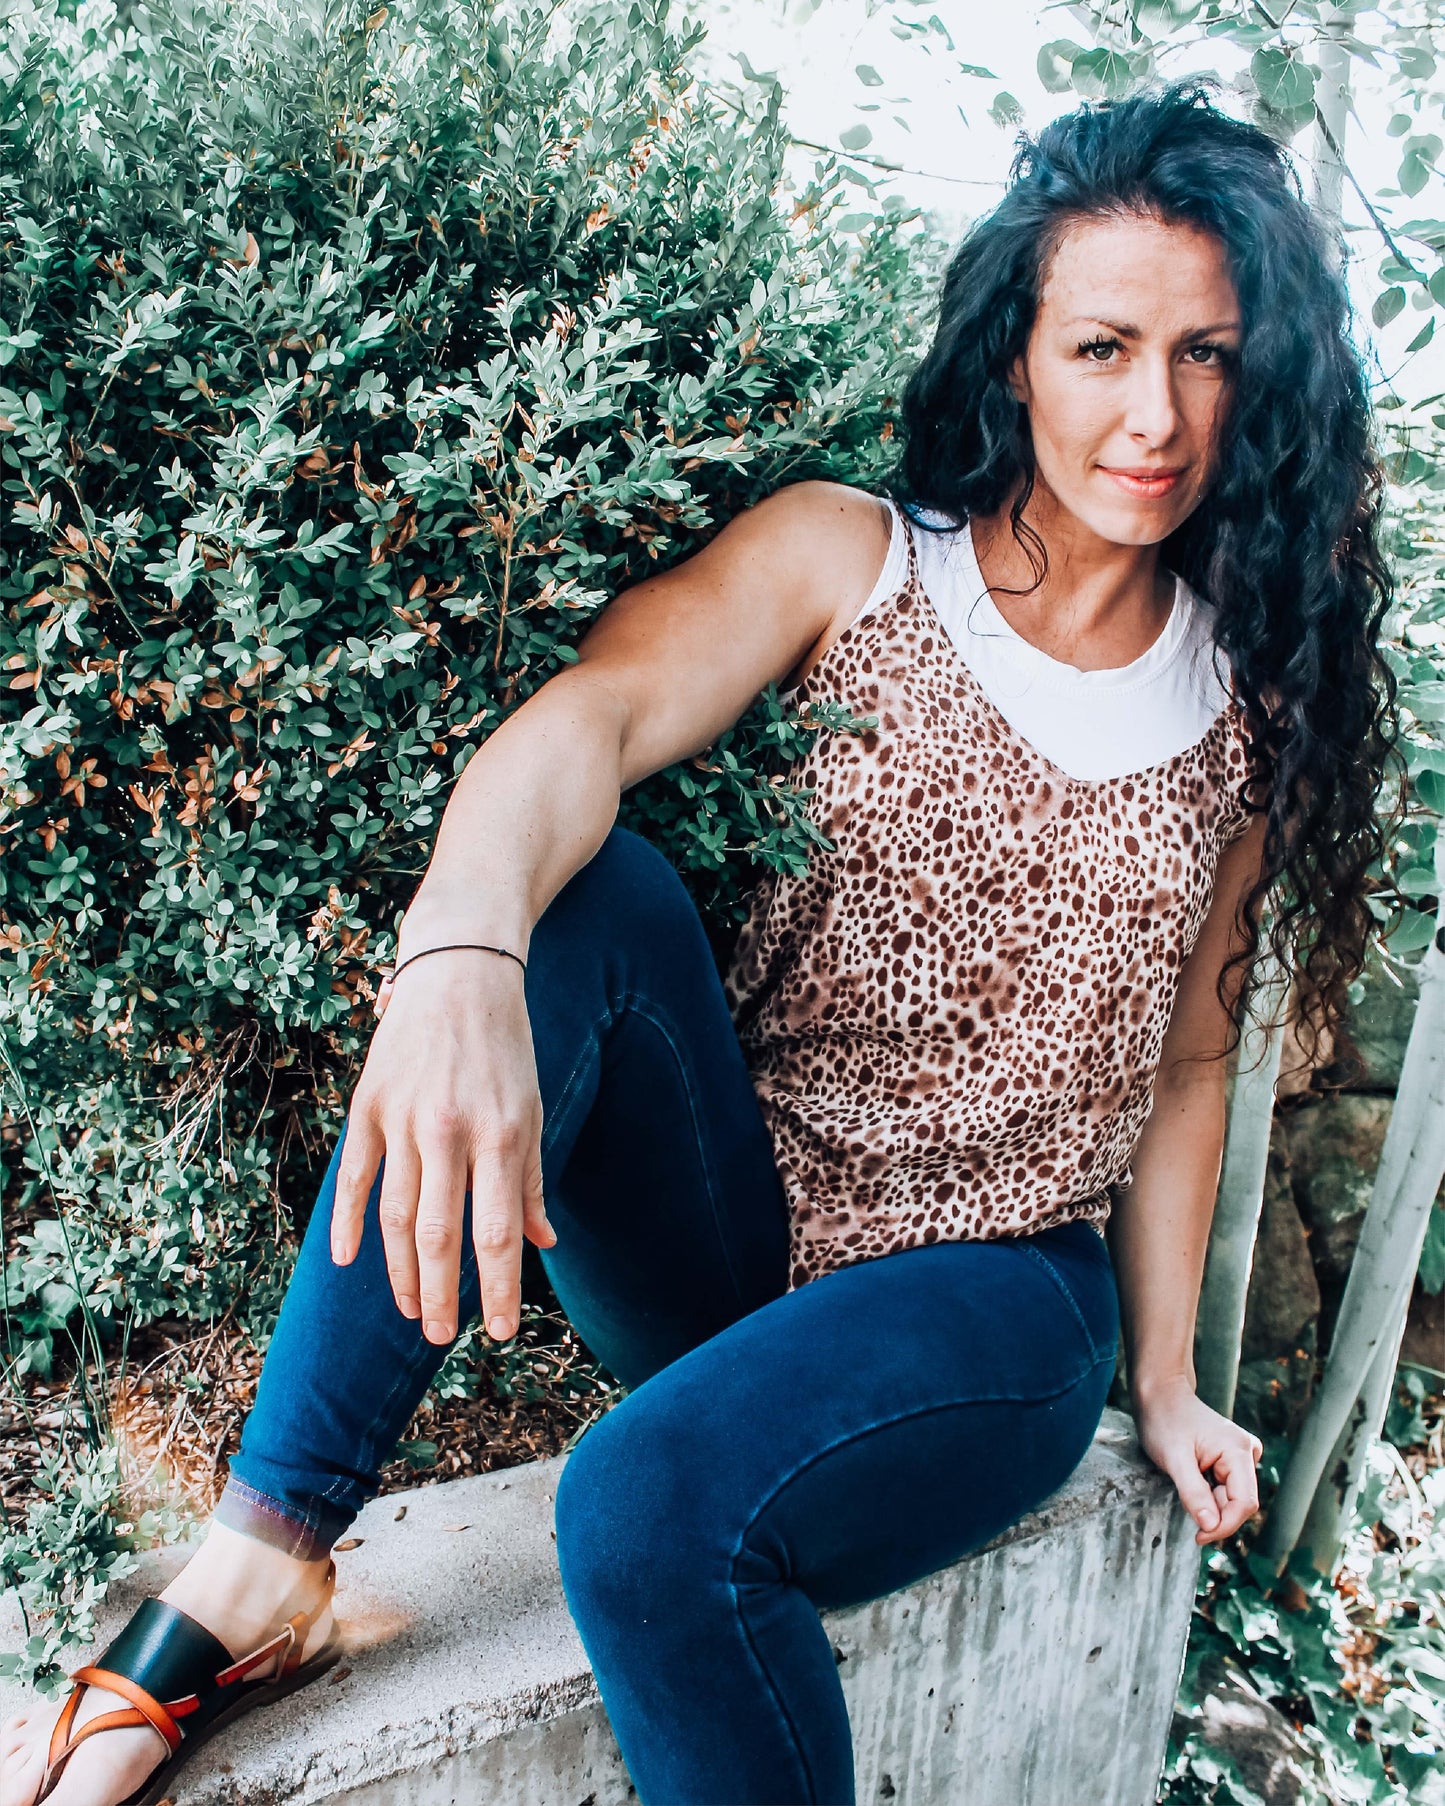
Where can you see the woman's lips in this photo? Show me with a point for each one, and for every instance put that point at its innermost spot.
(1145, 486)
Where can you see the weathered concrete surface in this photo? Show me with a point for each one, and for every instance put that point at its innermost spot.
(1039, 1671)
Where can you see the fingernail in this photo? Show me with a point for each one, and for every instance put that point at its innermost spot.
(498, 1328)
(409, 1307)
(437, 1331)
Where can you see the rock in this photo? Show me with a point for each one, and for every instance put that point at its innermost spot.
(1271, 1397)
(1241, 1724)
(1284, 1295)
(1334, 1152)
(1277, 1355)
(1334, 1145)
(1424, 1338)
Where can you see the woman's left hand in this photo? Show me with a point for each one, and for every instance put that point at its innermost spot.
(1210, 1460)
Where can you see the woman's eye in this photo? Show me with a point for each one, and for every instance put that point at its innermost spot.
(1092, 345)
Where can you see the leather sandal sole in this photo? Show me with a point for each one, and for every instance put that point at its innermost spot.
(253, 1694)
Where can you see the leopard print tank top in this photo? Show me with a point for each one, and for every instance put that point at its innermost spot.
(953, 1018)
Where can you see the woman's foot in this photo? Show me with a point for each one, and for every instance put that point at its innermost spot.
(242, 1591)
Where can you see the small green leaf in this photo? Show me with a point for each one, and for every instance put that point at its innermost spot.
(869, 76)
(1415, 168)
(761, 76)
(1101, 75)
(1432, 1255)
(1387, 305)
(1284, 81)
(1413, 929)
(1426, 701)
(1055, 64)
(855, 137)
(1164, 16)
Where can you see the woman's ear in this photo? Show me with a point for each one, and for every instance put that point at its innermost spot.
(1018, 380)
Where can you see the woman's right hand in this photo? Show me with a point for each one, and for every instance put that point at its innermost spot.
(449, 1097)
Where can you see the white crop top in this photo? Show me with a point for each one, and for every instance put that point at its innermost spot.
(1092, 724)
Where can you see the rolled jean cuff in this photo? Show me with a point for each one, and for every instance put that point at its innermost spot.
(304, 1535)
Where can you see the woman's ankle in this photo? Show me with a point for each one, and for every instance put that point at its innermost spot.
(239, 1586)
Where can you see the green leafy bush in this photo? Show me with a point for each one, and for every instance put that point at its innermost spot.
(350, 362)
(350, 365)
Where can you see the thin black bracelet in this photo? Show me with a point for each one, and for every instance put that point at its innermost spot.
(454, 947)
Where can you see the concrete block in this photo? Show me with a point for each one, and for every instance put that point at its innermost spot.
(1039, 1671)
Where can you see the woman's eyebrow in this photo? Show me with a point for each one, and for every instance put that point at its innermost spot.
(1134, 332)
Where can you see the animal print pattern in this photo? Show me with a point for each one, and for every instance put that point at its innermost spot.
(953, 1020)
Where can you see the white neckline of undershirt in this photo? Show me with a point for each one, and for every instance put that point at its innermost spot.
(969, 612)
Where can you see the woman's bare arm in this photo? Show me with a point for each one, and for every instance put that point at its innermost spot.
(1158, 1231)
(668, 665)
(448, 1095)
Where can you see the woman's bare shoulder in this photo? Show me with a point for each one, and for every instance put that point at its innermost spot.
(838, 520)
(843, 534)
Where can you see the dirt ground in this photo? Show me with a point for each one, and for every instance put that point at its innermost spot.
(178, 1407)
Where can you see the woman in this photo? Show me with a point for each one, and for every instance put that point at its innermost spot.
(836, 1218)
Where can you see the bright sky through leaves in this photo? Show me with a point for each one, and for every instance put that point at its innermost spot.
(951, 117)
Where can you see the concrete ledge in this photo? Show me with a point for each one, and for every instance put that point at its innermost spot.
(1039, 1671)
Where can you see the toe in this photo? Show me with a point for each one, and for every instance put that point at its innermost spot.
(20, 1777)
(21, 1733)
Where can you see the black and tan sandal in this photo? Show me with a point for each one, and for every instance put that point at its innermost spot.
(183, 1682)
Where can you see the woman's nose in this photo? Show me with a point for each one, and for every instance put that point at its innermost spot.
(1153, 404)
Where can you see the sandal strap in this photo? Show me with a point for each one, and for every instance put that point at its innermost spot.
(60, 1745)
(165, 1651)
(143, 1710)
(126, 1718)
(290, 1636)
(163, 1718)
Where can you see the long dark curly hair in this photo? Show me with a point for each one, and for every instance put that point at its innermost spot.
(1284, 544)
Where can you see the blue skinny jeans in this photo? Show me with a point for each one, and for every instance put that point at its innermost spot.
(776, 1453)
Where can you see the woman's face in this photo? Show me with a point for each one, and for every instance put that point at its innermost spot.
(1129, 367)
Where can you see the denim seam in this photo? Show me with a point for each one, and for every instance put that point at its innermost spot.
(306, 1520)
(1068, 1296)
(305, 1526)
(639, 1005)
(406, 1373)
(774, 1689)
(884, 1423)
(559, 1109)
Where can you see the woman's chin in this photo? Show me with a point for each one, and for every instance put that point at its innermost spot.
(1131, 522)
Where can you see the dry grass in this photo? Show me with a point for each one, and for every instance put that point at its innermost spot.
(178, 1408)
